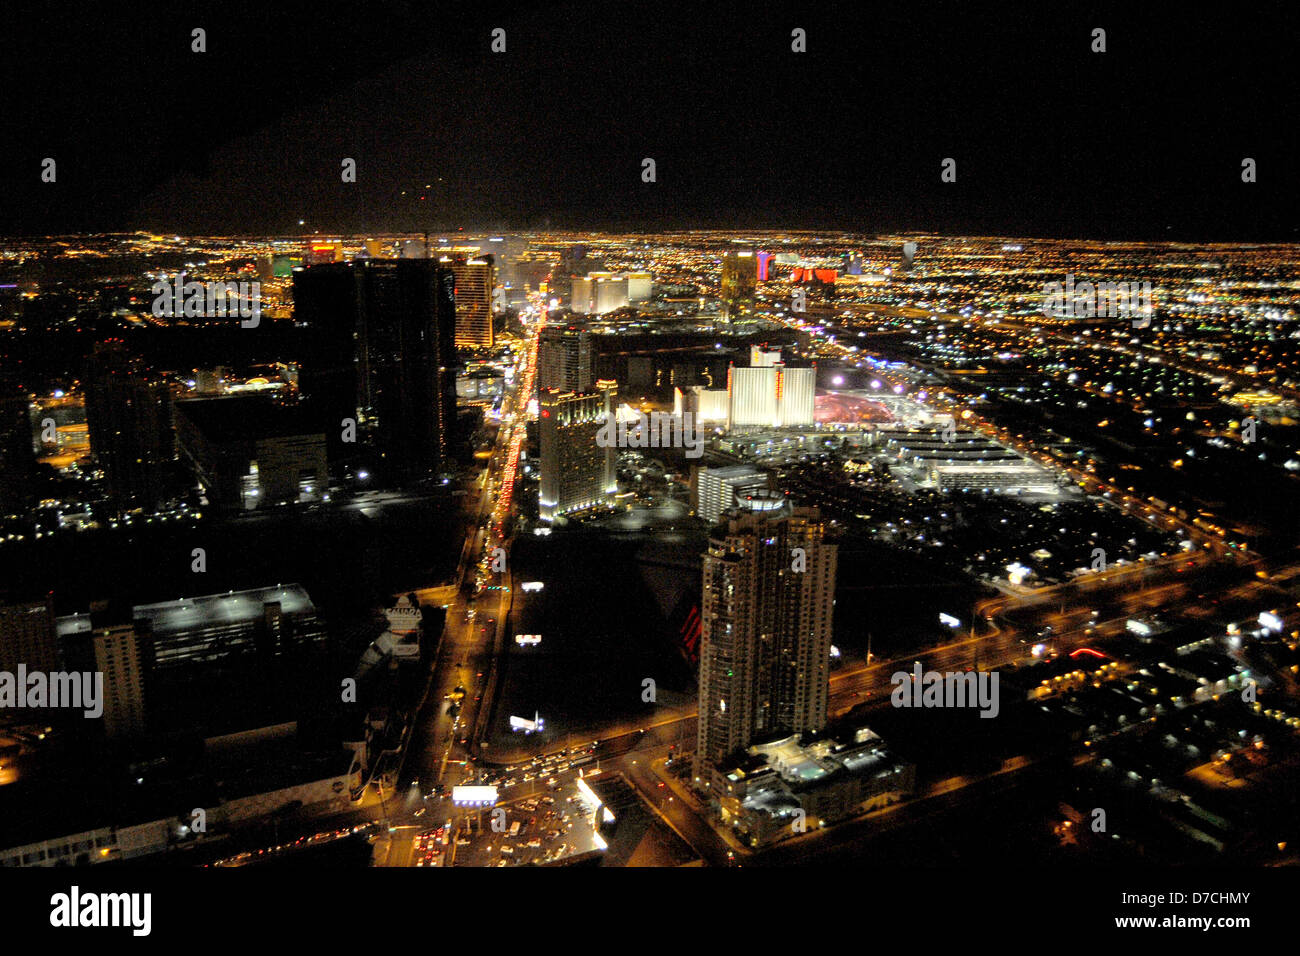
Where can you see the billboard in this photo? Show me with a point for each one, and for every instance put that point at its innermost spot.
(473, 796)
(527, 726)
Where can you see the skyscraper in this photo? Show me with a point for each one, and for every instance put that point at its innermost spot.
(739, 280)
(106, 641)
(573, 262)
(770, 394)
(118, 657)
(599, 292)
(129, 416)
(17, 461)
(751, 398)
(474, 282)
(768, 597)
(28, 636)
(609, 293)
(576, 473)
(381, 355)
(582, 298)
(640, 287)
(564, 359)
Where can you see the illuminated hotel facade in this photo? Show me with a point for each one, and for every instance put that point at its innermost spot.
(706, 405)
(739, 278)
(599, 292)
(576, 473)
(473, 302)
(766, 633)
(718, 489)
(768, 394)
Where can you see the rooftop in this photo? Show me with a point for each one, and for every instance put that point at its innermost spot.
(245, 418)
(210, 609)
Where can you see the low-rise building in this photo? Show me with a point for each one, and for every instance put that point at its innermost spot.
(249, 453)
(783, 788)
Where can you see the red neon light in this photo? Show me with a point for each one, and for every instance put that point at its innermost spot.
(1089, 650)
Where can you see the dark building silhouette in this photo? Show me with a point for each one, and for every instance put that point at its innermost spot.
(215, 662)
(28, 635)
(129, 417)
(248, 452)
(382, 354)
(565, 359)
(17, 460)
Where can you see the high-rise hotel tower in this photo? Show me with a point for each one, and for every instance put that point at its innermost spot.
(769, 594)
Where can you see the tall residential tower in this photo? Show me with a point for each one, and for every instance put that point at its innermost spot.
(129, 415)
(17, 462)
(769, 594)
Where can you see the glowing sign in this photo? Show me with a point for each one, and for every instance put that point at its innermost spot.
(527, 726)
(474, 796)
(1270, 621)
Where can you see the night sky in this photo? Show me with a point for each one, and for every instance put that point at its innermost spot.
(1143, 141)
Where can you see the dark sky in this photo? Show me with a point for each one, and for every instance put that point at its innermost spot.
(1143, 141)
